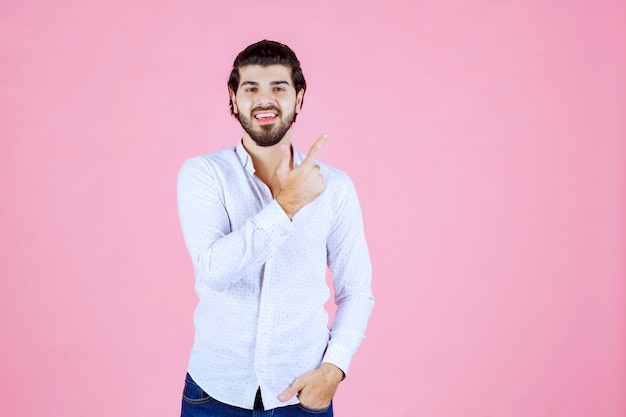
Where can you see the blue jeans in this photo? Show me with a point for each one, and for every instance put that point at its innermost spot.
(197, 403)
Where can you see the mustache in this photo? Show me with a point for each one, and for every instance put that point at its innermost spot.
(262, 108)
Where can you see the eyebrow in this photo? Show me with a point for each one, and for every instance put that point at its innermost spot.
(254, 83)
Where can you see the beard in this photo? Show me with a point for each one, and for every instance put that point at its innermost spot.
(267, 135)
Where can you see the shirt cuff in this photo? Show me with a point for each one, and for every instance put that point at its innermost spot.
(275, 222)
(339, 357)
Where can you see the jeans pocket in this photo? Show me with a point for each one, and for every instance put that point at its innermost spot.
(193, 394)
(313, 410)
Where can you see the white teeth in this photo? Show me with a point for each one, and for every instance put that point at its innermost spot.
(265, 115)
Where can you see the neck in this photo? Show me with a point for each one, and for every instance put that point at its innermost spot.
(266, 160)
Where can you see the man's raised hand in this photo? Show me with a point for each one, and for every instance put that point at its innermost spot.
(301, 185)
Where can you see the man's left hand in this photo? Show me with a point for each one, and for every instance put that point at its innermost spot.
(316, 388)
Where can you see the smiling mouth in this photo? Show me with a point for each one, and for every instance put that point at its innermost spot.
(265, 116)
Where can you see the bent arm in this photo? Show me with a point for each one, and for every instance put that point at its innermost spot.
(222, 256)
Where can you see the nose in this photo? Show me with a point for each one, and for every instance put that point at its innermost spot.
(265, 98)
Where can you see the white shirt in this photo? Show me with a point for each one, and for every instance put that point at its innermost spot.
(260, 277)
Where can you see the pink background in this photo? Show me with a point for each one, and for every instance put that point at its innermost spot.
(487, 142)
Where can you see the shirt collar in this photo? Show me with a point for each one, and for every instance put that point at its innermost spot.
(246, 159)
(297, 158)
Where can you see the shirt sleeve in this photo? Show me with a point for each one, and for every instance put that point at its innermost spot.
(222, 256)
(349, 262)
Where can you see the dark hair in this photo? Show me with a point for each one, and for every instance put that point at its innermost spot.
(266, 53)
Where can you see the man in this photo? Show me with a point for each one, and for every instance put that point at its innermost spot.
(261, 223)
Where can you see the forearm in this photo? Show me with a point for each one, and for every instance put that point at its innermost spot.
(348, 329)
(224, 243)
(223, 262)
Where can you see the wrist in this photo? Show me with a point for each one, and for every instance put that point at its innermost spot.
(333, 371)
(288, 205)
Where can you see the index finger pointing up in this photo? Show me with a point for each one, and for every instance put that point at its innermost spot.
(315, 148)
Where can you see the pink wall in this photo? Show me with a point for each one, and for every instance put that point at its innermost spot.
(487, 141)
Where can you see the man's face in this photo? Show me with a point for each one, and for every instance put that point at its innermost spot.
(266, 102)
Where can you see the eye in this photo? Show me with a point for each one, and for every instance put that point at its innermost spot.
(250, 89)
(279, 89)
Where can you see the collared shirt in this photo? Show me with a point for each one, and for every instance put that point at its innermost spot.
(260, 278)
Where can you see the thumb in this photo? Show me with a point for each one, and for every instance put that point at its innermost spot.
(285, 158)
(295, 388)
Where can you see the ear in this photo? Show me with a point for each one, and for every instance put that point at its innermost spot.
(299, 98)
(233, 99)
